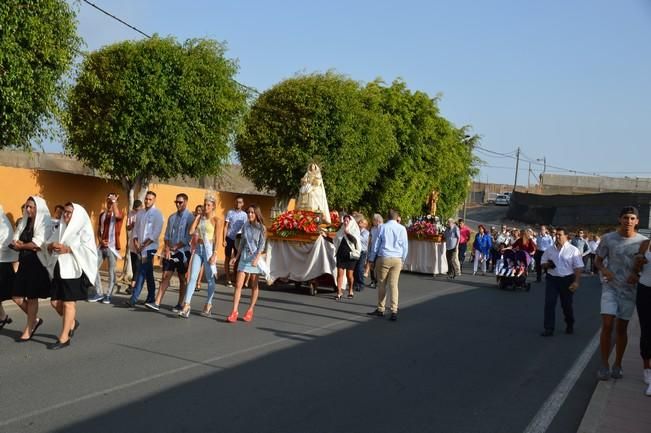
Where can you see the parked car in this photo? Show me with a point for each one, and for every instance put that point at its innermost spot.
(502, 200)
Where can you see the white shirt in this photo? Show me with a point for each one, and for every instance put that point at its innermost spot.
(149, 225)
(567, 259)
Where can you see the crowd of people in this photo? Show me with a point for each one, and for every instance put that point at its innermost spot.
(621, 258)
(58, 256)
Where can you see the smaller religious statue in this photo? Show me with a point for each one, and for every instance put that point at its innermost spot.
(312, 194)
(431, 202)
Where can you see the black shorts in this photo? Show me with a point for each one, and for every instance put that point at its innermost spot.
(230, 250)
(178, 262)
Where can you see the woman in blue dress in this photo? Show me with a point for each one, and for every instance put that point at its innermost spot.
(251, 248)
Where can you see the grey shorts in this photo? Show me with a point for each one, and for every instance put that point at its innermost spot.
(617, 302)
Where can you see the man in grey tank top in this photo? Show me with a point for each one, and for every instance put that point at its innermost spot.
(615, 259)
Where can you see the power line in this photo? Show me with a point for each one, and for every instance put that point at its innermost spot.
(116, 18)
(244, 86)
(535, 162)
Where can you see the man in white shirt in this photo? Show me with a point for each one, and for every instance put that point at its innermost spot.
(543, 241)
(564, 264)
(147, 230)
(233, 223)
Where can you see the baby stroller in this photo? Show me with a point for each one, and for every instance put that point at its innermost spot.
(511, 270)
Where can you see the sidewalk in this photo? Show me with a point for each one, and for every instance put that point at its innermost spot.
(620, 406)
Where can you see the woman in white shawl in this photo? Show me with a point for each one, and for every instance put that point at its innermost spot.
(348, 247)
(72, 264)
(32, 280)
(7, 258)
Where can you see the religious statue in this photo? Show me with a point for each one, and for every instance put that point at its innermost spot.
(431, 202)
(312, 194)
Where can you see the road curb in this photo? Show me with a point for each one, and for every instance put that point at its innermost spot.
(596, 408)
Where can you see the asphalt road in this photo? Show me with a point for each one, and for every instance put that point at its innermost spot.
(464, 357)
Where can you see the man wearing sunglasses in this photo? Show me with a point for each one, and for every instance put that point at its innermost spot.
(176, 253)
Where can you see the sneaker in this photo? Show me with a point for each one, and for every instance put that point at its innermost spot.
(152, 306)
(394, 317)
(96, 298)
(177, 308)
(106, 300)
(617, 373)
(603, 373)
(647, 376)
(229, 284)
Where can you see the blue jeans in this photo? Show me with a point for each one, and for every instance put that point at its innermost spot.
(201, 256)
(102, 254)
(359, 271)
(146, 271)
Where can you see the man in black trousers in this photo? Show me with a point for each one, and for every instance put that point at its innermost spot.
(564, 264)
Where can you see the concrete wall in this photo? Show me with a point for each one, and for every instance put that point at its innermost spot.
(90, 192)
(592, 184)
(578, 210)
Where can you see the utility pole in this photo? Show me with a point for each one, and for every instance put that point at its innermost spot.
(517, 166)
(529, 178)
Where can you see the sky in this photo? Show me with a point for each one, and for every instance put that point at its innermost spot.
(568, 81)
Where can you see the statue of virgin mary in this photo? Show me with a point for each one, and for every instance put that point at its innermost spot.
(312, 194)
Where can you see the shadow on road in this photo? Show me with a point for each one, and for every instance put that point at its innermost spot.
(468, 362)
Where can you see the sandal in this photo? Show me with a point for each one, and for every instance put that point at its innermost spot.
(338, 298)
(6, 321)
(39, 322)
(206, 311)
(233, 317)
(185, 312)
(351, 296)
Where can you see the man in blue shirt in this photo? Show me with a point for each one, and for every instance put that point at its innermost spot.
(176, 253)
(389, 252)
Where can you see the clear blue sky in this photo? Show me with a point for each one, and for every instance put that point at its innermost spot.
(567, 80)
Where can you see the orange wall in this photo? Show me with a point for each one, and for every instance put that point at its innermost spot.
(91, 192)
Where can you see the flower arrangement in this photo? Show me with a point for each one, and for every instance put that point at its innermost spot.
(423, 230)
(295, 221)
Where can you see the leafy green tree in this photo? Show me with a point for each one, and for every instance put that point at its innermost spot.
(38, 41)
(155, 108)
(432, 155)
(322, 118)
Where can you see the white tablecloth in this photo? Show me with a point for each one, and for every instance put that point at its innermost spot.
(301, 261)
(426, 257)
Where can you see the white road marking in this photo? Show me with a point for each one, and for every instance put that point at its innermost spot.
(192, 365)
(543, 419)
